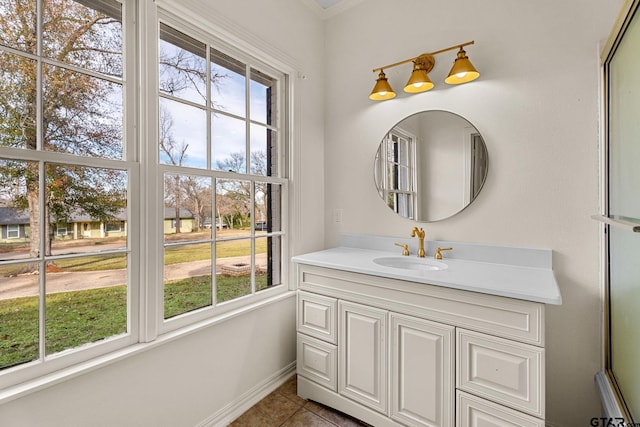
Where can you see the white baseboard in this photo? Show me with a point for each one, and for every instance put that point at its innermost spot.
(234, 409)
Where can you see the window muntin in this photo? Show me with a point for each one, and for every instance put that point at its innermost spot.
(62, 103)
(235, 232)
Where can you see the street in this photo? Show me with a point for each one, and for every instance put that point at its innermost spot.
(27, 284)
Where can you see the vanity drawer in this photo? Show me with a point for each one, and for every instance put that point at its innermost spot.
(503, 371)
(316, 361)
(505, 317)
(473, 411)
(317, 316)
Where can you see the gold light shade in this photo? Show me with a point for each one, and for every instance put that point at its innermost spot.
(462, 71)
(382, 89)
(419, 80)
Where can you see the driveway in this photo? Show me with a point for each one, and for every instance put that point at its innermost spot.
(26, 285)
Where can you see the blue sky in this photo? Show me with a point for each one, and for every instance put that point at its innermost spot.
(228, 132)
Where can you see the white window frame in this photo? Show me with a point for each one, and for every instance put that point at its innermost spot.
(145, 222)
(13, 228)
(72, 358)
(210, 313)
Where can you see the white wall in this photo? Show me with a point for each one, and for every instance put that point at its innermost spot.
(536, 105)
(181, 383)
(188, 380)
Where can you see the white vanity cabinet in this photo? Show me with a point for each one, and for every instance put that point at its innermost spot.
(422, 371)
(398, 353)
(362, 354)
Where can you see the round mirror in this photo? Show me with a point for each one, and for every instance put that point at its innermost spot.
(430, 166)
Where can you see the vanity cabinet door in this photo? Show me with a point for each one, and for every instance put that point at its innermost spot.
(504, 371)
(362, 349)
(316, 316)
(422, 371)
(317, 361)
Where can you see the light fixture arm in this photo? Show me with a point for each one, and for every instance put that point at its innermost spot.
(395, 64)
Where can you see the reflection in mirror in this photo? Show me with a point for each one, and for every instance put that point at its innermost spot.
(430, 166)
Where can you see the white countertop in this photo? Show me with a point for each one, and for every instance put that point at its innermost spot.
(531, 283)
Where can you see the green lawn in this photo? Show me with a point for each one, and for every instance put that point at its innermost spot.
(79, 317)
(73, 318)
(172, 255)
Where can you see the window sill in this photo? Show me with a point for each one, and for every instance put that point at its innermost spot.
(45, 381)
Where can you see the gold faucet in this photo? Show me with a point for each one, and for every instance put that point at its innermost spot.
(438, 255)
(405, 248)
(420, 234)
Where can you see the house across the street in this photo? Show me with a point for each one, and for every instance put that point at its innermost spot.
(14, 225)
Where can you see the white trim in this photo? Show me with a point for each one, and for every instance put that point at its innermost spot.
(151, 219)
(100, 361)
(224, 29)
(611, 407)
(234, 409)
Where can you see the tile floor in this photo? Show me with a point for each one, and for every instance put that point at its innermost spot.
(284, 408)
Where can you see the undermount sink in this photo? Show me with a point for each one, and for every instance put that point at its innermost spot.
(406, 263)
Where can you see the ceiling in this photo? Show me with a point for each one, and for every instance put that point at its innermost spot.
(328, 8)
(326, 4)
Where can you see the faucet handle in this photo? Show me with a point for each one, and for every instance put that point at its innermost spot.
(405, 252)
(438, 255)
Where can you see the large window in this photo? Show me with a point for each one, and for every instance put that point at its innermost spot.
(84, 250)
(220, 155)
(63, 155)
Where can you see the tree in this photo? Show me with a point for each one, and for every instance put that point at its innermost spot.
(176, 153)
(233, 197)
(183, 74)
(81, 114)
(198, 197)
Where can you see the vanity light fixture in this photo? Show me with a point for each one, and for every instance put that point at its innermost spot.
(461, 72)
